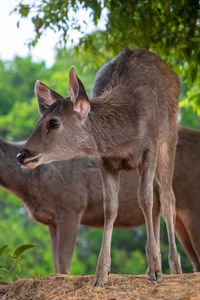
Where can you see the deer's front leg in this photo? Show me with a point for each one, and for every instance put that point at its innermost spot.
(67, 228)
(110, 182)
(146, 172)
(53, 238)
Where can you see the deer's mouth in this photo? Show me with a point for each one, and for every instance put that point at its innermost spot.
(32, 162)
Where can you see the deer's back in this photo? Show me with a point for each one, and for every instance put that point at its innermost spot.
(142, 86)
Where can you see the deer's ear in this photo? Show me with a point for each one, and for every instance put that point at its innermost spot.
(45, 96)
(78, 95)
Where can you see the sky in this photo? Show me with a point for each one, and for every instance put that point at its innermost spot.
(14, 41)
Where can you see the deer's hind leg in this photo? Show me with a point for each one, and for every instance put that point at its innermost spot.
(146, 172)
(188, 244)
(53, 238)
(165, 166)
(67, 229)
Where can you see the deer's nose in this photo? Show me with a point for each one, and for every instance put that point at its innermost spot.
(22, 155)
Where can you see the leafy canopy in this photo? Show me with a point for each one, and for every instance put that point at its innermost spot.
(170, 28)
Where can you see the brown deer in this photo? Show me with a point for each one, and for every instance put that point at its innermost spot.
(131, 125)
(52, 203)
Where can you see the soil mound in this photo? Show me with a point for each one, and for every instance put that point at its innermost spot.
(60, 287)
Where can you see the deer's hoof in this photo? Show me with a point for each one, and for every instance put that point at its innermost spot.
(155, 276)
(159, 276)
(99, 284)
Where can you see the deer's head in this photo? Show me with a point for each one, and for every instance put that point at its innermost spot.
(59, 134)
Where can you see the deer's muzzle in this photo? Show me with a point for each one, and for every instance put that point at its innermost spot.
(28, 160)
(22, 155)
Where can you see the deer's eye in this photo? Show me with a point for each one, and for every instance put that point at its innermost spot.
(53, 123)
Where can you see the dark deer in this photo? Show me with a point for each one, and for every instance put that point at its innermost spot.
(131, 125)
(63, 195)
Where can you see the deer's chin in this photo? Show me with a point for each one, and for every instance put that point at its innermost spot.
(31, 163)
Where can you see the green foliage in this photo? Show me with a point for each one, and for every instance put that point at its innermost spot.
(170, 28)
(24, 10)
(132, 262)
(17, 253)
(165, 25)
(18, 229)
(189, 105)
(13, 258)
(192, 99)
(189, 118)
(77, 267)
(17, 81)
(20, 121)
(128, 251)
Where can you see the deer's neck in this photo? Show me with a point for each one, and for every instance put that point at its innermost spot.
(110, 125)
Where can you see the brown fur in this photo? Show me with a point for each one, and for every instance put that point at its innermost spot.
(134, 120)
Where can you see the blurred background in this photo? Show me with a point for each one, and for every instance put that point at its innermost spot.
(42, 40)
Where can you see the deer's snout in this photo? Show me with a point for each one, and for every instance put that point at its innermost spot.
(21, 156)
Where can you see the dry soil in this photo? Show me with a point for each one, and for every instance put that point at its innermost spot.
(57, 287)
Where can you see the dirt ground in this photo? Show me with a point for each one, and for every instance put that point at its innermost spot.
(58, 287)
